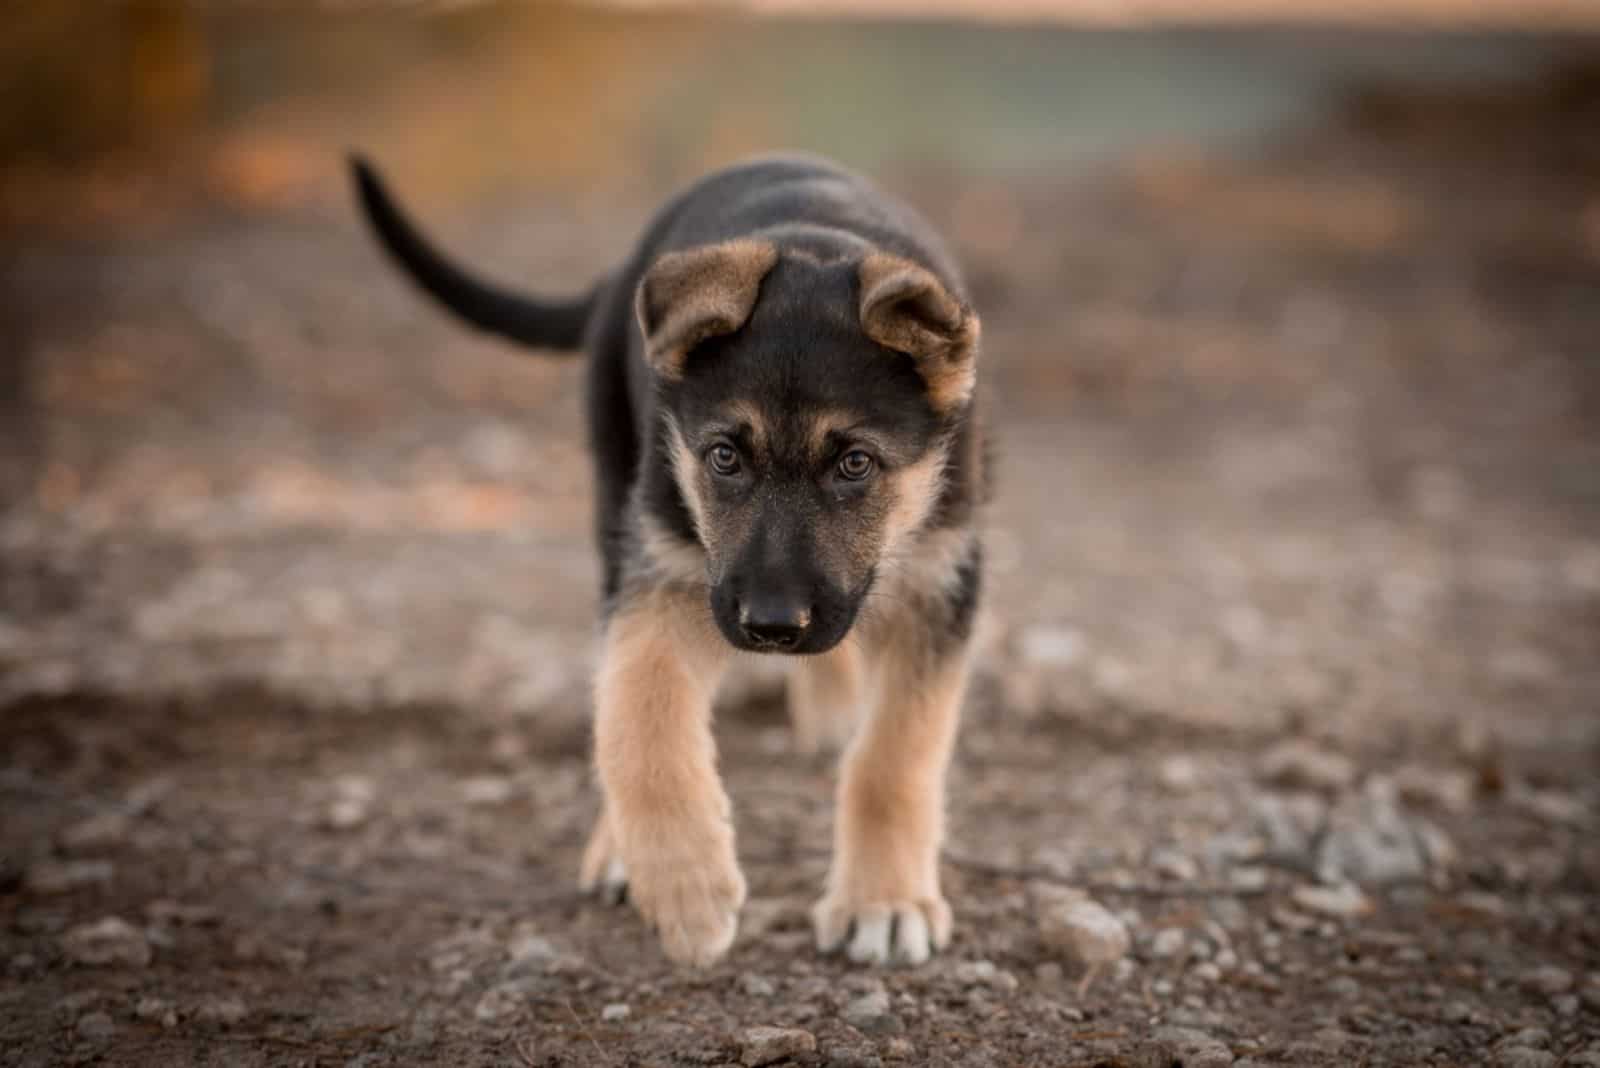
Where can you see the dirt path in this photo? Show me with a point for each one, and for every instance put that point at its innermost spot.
(1297, 586)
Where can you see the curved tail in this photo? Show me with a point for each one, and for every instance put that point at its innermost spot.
(545, 324)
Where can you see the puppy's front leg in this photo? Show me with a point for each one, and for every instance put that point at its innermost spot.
(890, 819)
(666, 815)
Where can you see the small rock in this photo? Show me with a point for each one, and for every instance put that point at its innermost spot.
(899, 1049)
(1523, 1057)
(767, 1045)
(850, 1057)
(1073, 923)
(96, 832)
(1168, 943)
(1566, 1005)
(615, 1012)
(1449, 790)
(156, 1010)
(1289, 824)
(1302, 765)
(1178, 774)
(486, 790)
(1174, 865)
(1587, 1058)
(65, 876)
(1206, 972)
(1551, 806)
(984, 973)
(1344, 901)
(870, 1015)
(1371, 842)
(756, 986)
(503, 1000)
(1194, 1049)
(107, 942)
(1046, 646)
(345, 814)
(96, 1026)
(1531, 1037)
(1248, 880)
(1548, 979)
(221, 1012)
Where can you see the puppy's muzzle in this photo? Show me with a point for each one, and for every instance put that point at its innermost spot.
(773, 621)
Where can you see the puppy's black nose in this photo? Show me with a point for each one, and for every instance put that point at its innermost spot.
(774, 622)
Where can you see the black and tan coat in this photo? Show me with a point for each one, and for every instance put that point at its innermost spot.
(782, 412)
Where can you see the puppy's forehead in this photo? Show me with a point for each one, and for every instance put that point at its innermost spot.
(802, 367)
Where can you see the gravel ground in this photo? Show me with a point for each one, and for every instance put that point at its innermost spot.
(1283, 750)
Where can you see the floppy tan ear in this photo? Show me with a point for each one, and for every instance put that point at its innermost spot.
(686, 297)
(906, 308)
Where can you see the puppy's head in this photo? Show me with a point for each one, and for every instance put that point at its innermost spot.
(807, 407)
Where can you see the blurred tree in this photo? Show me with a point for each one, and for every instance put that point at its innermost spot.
(81, 77)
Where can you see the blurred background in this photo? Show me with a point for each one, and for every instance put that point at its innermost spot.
(1292, 327)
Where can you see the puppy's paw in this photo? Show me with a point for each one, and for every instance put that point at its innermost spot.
(602, 871)
(906, 931)
(692, 899)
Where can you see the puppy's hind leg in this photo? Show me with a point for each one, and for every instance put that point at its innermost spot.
(825, 698)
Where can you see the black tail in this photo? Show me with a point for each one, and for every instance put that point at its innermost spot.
(545, 324)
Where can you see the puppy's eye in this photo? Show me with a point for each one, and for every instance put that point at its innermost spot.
(855, 466)
(724, 459)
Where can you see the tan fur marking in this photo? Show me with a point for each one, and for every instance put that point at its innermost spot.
(750, 415)
(889, 823)
(665, 812)
(686, 472)
(916, 490)
(826, 694)
(906, 308)
(686, 297)
(671, 559)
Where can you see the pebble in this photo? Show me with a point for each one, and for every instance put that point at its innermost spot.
(1303, 765)
(1548, 979)
(756, 986)
(156, 1010)
(1194, 1049)
(615, 1012)
(1588, 1058)
(100, 831)
(1168, 942)
(1178, 774)
(1174, 865)
(485, 790)
(65, 876)
(766, 1045)
(96, 1026)
(899, 1049)
(1289, 824)
(850, 1057)
(503, 1000)
(870, 1014)
(1047, 646)
(1344, 901)
(984, 973)
(1523, 1057)
(1206, 972)
(221, 1012)
(1371, 842)
(108, 941)
(1073, 923)
(1449, 790)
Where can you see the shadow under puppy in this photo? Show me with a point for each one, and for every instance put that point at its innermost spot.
(781, 396)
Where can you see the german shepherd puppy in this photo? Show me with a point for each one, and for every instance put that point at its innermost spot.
(781, 390)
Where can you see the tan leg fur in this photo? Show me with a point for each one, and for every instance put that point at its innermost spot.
(825, 698)
(666, 819)
(889, 822)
